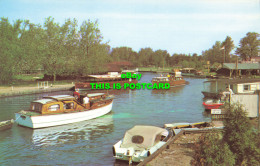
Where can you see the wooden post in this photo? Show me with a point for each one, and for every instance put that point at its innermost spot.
(258, 92)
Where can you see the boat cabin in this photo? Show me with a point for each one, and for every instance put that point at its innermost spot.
(67, 103)
(55, 104)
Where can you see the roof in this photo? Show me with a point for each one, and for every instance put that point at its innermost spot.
(60, 97)
(149, 134)
(235, 81)
(242, 66)
(43, 101)
(95, 94)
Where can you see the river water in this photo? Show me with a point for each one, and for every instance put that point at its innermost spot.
(90, 142)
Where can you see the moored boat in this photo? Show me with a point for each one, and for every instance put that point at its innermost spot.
(211, 104)
(140, 142)
(181, 125)
(110, 78)
(64, 109)
(174, 79)
(6, 124)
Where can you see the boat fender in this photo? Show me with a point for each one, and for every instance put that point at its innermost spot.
(148, 153)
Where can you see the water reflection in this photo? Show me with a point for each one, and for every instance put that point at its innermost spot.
(70, 133)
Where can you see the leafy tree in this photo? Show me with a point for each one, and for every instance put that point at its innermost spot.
(9, 49)
(144, 57)
(54, 61)
(240, 136)
(158, 58)
(249, 46)
(122, 53)
(239, 144)
(228, 46)
(31, 45)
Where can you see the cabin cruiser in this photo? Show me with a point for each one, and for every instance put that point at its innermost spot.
(174, 79)
(64, 109)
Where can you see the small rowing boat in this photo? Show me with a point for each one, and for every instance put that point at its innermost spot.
(6, 124)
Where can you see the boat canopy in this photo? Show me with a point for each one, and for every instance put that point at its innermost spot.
(142, 137)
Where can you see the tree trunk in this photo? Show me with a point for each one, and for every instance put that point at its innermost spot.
(54, 77)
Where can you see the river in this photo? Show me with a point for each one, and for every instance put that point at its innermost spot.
(90, 142)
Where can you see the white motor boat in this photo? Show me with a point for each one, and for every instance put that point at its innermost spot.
(64, 109)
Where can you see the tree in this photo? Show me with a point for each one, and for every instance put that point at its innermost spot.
(228, 46)
(54, 60)
(9, 49)
(249, 46)
(240, 136)
(31, 45)
(144, 57)
(158, 58)
(215, 54)
(239, 144)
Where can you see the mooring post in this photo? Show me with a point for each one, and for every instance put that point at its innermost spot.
(258, 96)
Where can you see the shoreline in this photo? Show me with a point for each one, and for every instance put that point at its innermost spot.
(28, 90)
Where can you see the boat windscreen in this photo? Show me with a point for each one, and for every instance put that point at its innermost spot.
(37, 107)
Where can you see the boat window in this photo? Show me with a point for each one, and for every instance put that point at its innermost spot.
(246, 87)
(36, 107)
(137, 139)
(55, 107)
(68, 105)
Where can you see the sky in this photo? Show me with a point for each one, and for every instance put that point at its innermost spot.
(178, 26)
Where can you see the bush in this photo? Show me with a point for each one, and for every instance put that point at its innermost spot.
(211, 150)
(240, 136)
(239, 145)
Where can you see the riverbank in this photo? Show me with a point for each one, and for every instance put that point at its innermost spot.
(8, 91)
(179, 153)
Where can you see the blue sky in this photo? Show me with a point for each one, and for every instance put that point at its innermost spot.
(178, 26)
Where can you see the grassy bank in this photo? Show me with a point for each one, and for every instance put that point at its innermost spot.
(154, 69)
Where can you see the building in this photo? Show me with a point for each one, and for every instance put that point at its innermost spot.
(214, 88)
(239, 69)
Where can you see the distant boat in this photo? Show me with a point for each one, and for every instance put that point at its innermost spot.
(64, 109)
(4, 125)
(174, 79)
(140, 142)
(110, 78)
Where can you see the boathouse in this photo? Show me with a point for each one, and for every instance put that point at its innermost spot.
(213, 88)
(239, 69)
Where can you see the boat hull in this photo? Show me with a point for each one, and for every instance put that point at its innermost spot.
(212, 105)
(6, 125)
(42, 121)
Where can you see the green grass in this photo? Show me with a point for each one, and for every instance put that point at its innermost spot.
(27, 77)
